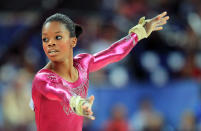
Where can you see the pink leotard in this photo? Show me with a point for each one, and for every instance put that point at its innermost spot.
(51, 93)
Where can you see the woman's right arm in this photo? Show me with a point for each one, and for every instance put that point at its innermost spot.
(51, 88)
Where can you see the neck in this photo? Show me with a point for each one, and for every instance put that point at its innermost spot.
(62, 68)
(65, 69)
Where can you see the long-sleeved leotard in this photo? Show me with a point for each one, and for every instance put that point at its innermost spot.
(51, 93)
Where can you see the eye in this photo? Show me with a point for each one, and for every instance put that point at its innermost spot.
(58, 37)
(45, 40)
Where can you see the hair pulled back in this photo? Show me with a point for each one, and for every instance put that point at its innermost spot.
(74, 29)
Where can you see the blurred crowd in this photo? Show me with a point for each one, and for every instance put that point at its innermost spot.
(168, 55)
(146, 118)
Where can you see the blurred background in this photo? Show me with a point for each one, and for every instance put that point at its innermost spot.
(155, 88)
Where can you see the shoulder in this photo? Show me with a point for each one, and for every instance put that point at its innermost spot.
(84, 58)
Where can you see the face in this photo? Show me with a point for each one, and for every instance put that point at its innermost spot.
(57, 43)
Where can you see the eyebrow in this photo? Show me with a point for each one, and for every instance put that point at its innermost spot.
(54, 32)
(58, 32)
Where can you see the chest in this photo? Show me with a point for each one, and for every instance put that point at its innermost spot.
(80, 87)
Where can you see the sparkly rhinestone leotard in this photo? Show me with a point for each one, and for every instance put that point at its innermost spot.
(51, 93)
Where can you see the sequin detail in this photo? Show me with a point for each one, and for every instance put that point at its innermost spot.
(81, 90)
(52, 77)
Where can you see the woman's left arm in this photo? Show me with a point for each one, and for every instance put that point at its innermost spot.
(121, 48)
(114, 53)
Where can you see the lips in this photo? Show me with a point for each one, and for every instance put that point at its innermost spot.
(52, 52)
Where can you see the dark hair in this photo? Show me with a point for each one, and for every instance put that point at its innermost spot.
(74, 29)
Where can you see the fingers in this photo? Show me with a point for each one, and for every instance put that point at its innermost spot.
(158, 28)
(91, 117)
(91, 99)
(88, 112)
(161, 22)
(161, 15)
(166, 18)
(156, 23)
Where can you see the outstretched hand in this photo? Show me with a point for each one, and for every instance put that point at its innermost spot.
(156, 23)
(87, 111)
(145, 27)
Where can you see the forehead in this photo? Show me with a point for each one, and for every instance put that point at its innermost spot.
(53, 26)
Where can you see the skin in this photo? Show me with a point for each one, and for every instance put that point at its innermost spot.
(55, 36)
(156, 23)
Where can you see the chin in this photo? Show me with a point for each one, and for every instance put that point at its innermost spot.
(54, 59)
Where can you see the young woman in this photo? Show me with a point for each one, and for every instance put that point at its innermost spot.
(59, 89)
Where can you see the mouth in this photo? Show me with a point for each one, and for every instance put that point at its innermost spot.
(52, 52)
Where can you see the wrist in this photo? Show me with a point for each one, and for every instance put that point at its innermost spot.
(76, 103)
(140, 31)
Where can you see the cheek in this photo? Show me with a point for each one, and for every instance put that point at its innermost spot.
(44, 47)
(65, 45)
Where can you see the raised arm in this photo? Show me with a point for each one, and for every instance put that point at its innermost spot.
(114, 53)
(121, 48)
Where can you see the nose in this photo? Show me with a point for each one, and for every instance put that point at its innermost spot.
(51, 43)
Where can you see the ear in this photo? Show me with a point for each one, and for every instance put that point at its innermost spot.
(73, 41)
